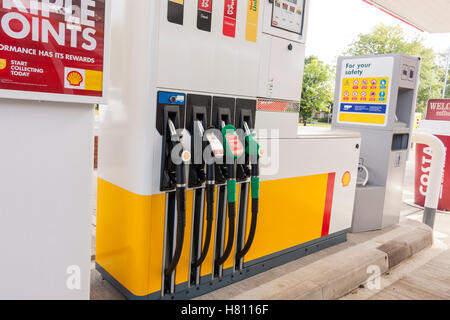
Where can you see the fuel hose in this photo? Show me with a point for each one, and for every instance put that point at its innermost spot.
(233, 150)
(181, 213)
(253, 150)
(210, 186)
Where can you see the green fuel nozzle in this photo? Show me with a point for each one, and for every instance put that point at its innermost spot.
(232, 145)
(233, 150)
(253, 150)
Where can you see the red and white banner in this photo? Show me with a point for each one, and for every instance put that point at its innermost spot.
(54, 47)
(423, 167)
(277, 106)
(438, 109)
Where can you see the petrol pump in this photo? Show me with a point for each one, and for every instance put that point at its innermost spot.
(376, 96)
(207, 150)
(212, 88)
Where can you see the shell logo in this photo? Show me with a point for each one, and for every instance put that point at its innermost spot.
(75, 78)
(346, 179)
(186, 156)
(3, 64)
(261, 152)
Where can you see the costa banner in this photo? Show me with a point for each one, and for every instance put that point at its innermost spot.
(437, 123)
(53, 47)
(422, 177)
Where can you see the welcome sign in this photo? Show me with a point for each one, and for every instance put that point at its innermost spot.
(438, 109)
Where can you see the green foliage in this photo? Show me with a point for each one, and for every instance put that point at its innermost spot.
(391, 39)
(317, 93)
(447, 89)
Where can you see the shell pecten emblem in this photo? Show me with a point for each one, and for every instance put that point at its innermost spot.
(186, 156)
(3, 64)
(346, 179)
(75, 78)
(83, 79)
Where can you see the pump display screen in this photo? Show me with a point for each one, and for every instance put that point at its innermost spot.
(288, 15)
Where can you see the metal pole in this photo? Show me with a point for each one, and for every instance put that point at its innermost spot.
(436, 174)
(431, 85)
(446, 75)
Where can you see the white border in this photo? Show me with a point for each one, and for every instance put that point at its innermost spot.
(56, 97)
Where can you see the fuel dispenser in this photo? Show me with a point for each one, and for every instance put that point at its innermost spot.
(246, 170)
(170, 115)
(376, 96)
(208, 152)
(223, 114)
(204, 179)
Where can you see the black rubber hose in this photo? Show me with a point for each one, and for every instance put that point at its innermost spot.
(181, 219)
(255, 209)
(251, 235)
(209, 223)
(231, 227)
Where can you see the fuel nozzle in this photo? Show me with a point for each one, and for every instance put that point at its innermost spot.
(247, 129)
(233, 151)
(216, 155)
(169, 174)
(174, 136)
(197, 175)
(254, 152)
(180, 196)
(222, 170)
(243, 171)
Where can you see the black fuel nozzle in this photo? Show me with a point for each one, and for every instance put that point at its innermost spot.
(217, 153)
(243, 171)
(174, 137)
(180, 196)
(197, 174)
(169, 175)
(221, 170)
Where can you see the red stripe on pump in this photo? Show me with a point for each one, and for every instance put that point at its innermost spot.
(328, 204)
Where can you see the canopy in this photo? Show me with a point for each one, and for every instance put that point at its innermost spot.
(430, 16)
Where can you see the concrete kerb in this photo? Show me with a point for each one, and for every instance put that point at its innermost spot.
(339, 274)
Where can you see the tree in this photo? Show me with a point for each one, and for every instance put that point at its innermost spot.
(391, 39)
(447, 77)
(317, 92)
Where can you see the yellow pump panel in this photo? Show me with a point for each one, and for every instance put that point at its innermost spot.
(130, 237)
(207, 266)
(291, 212)
(182, 272)
(130, 230)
